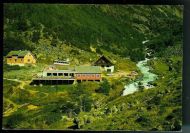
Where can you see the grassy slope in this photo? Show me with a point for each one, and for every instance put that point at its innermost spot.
(153, 109)
(45, 99)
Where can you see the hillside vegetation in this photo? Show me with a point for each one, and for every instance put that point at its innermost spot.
(118, 29)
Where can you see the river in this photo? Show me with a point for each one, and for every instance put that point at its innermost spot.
(147, 77)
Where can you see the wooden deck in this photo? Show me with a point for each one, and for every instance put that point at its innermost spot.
(52, 81)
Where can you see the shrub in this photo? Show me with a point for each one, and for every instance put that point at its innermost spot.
(14, 120)
(104, 87)
(7, 67)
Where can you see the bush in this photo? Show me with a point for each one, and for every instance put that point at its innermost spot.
(14, 120)
(81, 94)
(140, 86)
(104, 87)
(7, 67)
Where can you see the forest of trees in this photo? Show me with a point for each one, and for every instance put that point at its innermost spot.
(116, 28)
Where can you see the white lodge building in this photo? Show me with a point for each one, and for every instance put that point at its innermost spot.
(105, 63)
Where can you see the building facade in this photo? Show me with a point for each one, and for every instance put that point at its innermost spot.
(78, 74)
(20, 58)
(66, 74)
(105, 63)
(88, 73)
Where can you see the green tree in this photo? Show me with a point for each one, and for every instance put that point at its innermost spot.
(140, 86)
(24, 25)
(105, 87)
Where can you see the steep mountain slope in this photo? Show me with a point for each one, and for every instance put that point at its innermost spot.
(117, 28)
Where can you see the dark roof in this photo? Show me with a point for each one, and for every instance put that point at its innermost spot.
(103, 61)
(18, 53)
(87, 69)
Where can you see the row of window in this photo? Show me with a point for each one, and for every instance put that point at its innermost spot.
(72, 74)
(88, 75)
(20, 60)
(15, 60)
(60, 74)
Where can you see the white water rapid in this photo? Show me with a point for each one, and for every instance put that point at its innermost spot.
(147, 77)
